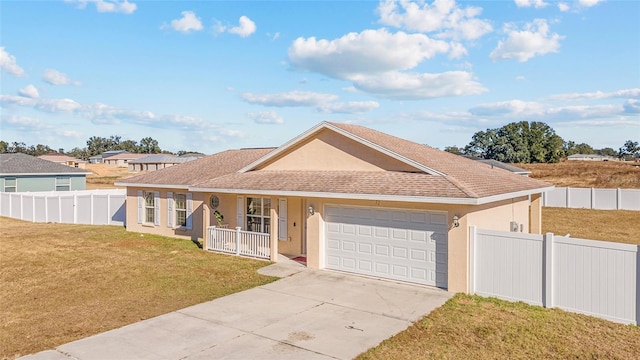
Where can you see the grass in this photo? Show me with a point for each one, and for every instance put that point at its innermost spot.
(65, 282)
(608, 225)
(473, 327)
(597, 174)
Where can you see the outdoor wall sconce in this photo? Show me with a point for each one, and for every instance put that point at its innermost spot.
(456, 221)
(311, 210)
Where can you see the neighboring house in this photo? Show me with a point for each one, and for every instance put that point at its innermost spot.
(157, 162)
(590, 157)
(348, 198)
(22, 172)
(499, 164)
(64, 160)
(96, 159)
(122, 159)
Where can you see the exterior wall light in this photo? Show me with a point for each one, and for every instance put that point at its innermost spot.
(311, 210)
(456, 221)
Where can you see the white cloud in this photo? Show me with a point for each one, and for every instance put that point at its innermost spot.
(620, 94)
(55, 77)
(9, 65)
(266, 117)
(350, 107)
(522, 45)
(232, 133)
(371, 51)
(444, 17)
(536, 111)
(563, 7)
(107, 6)
(397, 85)
(589, 3)
(538, 4)
(632, 107)
(187, 23)
(521, 78)
(245, 28)
(24, 123)
(29, 91)
(292, 98)
(99, 113)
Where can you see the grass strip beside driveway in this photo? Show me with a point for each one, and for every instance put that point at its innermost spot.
(65, 282)
(473, 327)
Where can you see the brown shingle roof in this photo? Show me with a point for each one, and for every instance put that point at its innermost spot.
(389, 183)
(474, 178)
(208, 167)
(461, 178)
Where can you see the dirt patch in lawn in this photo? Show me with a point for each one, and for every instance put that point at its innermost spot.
(65, 282)
(597, 174)
(472, 327)
(609, 225)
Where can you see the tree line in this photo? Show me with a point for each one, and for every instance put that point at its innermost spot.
(533, 142)
(95, 146)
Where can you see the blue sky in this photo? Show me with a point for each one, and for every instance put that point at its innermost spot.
(210, 76)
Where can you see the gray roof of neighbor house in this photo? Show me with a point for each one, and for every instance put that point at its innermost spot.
(55, 157)
(162, 159)
(125, 156)
(438, 174)
(23, 164)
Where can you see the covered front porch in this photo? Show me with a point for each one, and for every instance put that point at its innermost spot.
(255, 225)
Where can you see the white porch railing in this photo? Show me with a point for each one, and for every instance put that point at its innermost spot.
(239, 242)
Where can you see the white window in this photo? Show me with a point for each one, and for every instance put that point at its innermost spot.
(149, 207)
(10, 184)
(258, 212)
(181, 210)
(63, 183)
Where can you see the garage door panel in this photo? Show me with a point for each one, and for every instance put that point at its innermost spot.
(395, 244)
(399, 252)
(382, 250)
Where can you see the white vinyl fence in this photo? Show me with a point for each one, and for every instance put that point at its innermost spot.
(93, 207)
(591, 277)
(592, 198)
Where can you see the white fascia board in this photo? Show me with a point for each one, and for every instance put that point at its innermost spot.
(399, 198)
(155, 186)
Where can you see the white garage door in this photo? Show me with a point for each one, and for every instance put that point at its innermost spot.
(394, 244)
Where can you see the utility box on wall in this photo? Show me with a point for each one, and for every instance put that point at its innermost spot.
(514, 226)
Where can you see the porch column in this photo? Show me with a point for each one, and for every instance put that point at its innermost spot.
(535, 214)
(273, 236)
(206, 220)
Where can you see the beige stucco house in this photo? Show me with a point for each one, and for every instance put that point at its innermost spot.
(348, 198)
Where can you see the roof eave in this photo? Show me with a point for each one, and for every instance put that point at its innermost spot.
(46, 174)
(399, 198)
(146, 185)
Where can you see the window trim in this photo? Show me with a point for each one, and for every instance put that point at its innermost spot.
(66, 182)
(262, 215)
(14, 186)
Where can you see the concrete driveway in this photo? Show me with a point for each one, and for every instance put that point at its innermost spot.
(308, 315)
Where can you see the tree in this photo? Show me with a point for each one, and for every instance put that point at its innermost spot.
(607, 152)
(520, 142)
(450, 149)
(630, 149)
(129, 145)
(4, 147)
(149, 146)
(79, 153)
(571, 148)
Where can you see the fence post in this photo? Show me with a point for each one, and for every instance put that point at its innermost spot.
(593, 198)
(568, 197)
(75, 208)
(472, 255)
(547, 287)
(618, 199)
(638, 286)
(238, 234)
